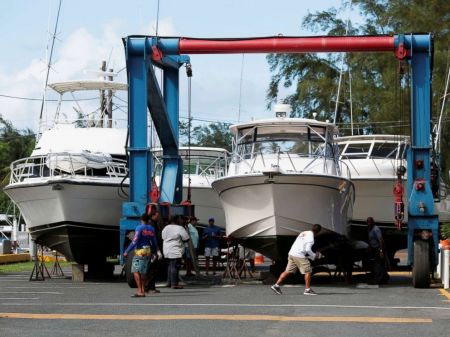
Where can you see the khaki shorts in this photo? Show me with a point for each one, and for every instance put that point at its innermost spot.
(300, 263)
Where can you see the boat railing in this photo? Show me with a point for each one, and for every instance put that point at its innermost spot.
(48, 166)
(344, 169)
(258, 161)
(381, 165)
(214, 169)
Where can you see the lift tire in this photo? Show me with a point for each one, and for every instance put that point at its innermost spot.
(128, 274)
(421, 265)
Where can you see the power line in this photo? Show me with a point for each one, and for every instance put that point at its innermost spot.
(207, 120)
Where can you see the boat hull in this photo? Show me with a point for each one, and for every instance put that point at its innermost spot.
(80, 219)
(259, 209)
(375, 198)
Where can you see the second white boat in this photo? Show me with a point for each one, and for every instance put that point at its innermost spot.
(284, 176)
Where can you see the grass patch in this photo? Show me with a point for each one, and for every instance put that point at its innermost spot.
(26, 266)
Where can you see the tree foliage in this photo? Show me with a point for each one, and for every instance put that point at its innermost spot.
(380, 83)
(14, 144)
(211, 135)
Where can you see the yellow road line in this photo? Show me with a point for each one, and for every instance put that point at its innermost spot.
(445, 293)
(336, 319)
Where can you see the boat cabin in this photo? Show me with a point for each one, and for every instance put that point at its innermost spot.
(286, 145)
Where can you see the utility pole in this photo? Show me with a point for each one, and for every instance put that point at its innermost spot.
(110, 98)
(102, 98)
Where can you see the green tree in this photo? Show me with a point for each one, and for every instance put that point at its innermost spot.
(380, 83)
(212, 135)
(14, 144)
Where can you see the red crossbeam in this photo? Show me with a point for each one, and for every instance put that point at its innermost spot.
(287, 45)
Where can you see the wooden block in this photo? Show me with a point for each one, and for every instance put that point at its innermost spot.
(78, 272)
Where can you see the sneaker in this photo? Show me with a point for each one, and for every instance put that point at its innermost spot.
(277, 289)
(309, 292)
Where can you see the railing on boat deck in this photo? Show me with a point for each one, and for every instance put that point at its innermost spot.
(258, 162)
(48, 166)
(212, 169)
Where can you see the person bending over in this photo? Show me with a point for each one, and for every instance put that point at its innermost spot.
(298, 259)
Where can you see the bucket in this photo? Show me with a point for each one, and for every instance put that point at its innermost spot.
(259, 259)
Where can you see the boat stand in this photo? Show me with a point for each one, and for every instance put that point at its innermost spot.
(40, 270)
(57, 270)
(231, 271)
(244, 268)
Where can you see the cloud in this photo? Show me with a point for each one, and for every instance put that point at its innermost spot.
(79, 51)
(216, 78)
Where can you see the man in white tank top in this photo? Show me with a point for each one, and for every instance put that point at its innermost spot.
(298, 259)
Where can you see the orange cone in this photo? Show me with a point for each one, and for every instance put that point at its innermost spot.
(259, 259)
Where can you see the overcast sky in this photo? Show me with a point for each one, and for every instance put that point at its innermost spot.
(91, 31)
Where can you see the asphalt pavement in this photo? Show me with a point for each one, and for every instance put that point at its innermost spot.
(59, 307)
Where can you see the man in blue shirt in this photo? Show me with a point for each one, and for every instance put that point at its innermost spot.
(212, 235)
(144, 244)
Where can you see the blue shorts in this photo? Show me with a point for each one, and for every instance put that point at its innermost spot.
(140, 264)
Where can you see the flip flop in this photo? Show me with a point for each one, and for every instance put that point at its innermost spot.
(138, 295)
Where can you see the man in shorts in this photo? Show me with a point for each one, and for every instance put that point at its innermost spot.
(144, 244)
(298, 259)
(212, 235)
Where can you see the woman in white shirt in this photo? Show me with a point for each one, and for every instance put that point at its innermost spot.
(174, 236)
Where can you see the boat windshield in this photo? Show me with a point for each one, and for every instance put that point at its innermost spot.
(304, 140)
(375, 150)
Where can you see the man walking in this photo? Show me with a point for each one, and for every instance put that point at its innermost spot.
(174, 236)
(144, 244)
(376, 253)
(298, 260)
(212, 235)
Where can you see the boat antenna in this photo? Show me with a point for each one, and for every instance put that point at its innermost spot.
(189, 76)
(351, 99)
(341, 73)
(437, 141)
(157, 18)
(49, 66)
(240, 88)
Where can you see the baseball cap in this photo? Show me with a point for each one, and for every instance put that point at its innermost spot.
(211, 219)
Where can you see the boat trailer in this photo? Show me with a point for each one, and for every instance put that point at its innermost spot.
(169, 54)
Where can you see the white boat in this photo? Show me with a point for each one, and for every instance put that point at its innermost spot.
(201, 165)
(284, 176)
(69, 191)
(373, 161)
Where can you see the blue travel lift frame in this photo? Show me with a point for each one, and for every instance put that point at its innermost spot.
(144, 92)
(144, 52)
